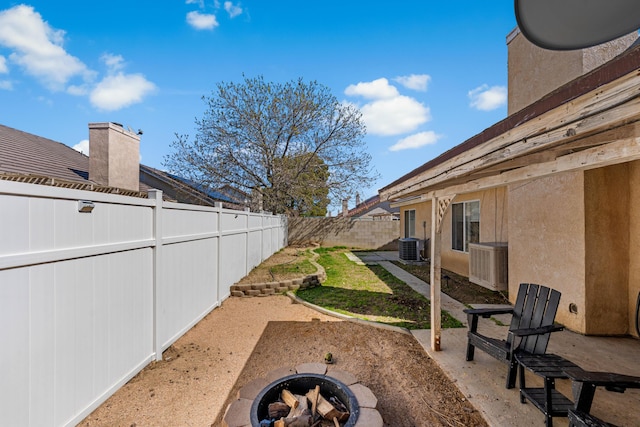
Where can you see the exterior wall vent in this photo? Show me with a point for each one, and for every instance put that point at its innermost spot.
(488, 265)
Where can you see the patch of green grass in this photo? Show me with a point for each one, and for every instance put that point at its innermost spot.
(302, 267)
(370, 293)
(324, 250)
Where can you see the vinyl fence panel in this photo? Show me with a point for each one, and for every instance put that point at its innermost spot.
(88, 299)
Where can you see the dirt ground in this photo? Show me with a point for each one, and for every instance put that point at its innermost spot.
(245, 338)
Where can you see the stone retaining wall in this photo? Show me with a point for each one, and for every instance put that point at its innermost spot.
(281, 287)
(271, 288)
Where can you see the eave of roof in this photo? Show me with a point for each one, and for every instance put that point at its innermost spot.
(623, 64)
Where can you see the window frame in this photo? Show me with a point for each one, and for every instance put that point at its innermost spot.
(409, 221)
(467, 219)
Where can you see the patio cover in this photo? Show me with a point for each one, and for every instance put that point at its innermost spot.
(590, 122)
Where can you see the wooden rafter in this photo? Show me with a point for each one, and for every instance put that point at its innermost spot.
(612, 111)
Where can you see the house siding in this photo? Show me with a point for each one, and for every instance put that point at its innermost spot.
(534, 72)
(546, 240)
(423, 219)
(493, 225)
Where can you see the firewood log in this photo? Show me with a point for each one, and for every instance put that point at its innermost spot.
(314, 399)
(300, 409)
(326, 409)
(304, 420)
(289, 398)
(278, 410)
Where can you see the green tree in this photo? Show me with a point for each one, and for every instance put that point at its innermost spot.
(292, 145)
(306, 194)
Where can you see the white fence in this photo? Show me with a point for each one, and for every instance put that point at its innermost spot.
(88, 299)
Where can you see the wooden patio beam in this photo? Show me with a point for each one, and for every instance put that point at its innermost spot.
(611, 106)
(620, 151)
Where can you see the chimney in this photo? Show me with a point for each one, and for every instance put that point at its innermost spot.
(357, 199)
(114, 156)
(345, 207)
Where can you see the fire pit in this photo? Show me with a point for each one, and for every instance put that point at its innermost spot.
(254, 397)
(301, 384)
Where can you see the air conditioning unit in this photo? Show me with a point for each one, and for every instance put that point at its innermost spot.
(409, 249)
(488, 265)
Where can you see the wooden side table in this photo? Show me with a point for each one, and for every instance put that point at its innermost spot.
(550, 367)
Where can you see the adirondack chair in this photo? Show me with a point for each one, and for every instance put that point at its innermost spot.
(531, 325)
(585, 383)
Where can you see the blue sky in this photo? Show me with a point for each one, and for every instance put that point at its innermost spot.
(427, 75)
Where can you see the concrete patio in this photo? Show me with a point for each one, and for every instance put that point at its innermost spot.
(482, 380)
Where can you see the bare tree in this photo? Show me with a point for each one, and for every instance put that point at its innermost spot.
(283, 143)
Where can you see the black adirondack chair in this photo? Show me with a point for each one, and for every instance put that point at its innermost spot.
(585, 384)
(531, 325)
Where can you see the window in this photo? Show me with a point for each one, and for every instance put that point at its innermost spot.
(465, 225)
(410, 223)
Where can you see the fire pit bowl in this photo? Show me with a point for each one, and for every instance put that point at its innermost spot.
(301, 384)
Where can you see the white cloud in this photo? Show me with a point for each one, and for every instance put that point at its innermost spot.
(113, 62)
(117, 90)
(6, 85)
(377, 89)
(82, 146)
(38, 48)
(78, 90)
(232, 10)
(487, 98)
(417, 82)
(388, 112)
(394, 116)
(198, 2)
(416, 141)
(120, 90)
(202, 21)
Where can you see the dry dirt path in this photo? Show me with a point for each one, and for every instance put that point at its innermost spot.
(245, 338)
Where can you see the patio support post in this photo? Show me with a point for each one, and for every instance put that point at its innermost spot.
(438, 208)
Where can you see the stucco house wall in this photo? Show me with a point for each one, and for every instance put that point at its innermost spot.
(528, 81)
(577, 232)
(546, 240)
(423, 219)
(493, 225)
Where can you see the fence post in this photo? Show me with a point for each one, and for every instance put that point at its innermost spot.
(157, 263)
(218, 206)
(247, 212)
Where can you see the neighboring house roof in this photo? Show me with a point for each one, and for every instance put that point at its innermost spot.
(25, 153)
(185, 190)
(373, 207)
(30, 158)
(500, 161)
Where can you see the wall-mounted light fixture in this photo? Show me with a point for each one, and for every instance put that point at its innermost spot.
(85, 206)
